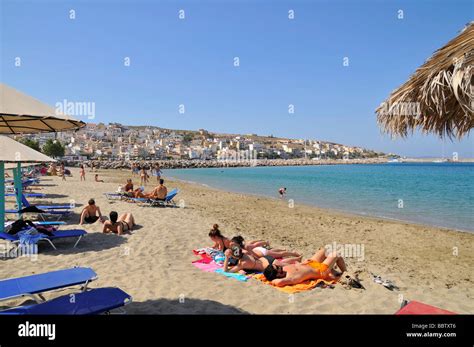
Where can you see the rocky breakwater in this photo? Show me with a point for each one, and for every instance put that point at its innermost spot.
(196, 163)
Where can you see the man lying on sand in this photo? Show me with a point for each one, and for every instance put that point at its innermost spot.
(90, 212)
(319, 266)
(246, 262)
(119, 224)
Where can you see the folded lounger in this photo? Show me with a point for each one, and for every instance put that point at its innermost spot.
(33, 285)
(59, 234)
(415, 307)
(93, 301)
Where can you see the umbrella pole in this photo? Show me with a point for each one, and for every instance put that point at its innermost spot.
(2, 197)
(18, 186)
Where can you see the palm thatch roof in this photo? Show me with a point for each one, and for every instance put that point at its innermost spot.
(438, 97)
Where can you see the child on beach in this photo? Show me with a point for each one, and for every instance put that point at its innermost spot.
(282, 192)
(62, 172)
(91, 213)
(143, 176)
(82, 173)
(97, 178)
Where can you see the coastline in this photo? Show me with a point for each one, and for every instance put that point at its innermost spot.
(329, 210)
(154, 264)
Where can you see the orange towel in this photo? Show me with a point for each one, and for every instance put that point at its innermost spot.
(300, 287)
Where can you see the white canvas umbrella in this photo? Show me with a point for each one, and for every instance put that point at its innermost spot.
(23, 114)
(12, 155)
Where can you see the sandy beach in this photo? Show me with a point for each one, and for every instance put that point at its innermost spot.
(154, 264)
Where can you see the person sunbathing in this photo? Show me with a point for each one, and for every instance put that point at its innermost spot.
(245, 262)
(221, 242)
(159, 193)
(119, 224)
(91, 213)
(259, 249)
(319, 266)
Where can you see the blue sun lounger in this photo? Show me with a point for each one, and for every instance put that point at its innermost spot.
(42, 223)
(93, 301)
(58, 234)
(168, 201)
(33, 285)
(57, 213)
(26, 203)
(29, 195)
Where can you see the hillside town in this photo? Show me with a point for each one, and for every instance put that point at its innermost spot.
(121, 142)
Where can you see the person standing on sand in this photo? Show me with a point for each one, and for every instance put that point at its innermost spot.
(143, 176)
(282, 192)
(158, 172)
(62, 172)
(82, 173)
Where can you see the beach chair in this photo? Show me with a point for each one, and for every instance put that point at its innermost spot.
(26, 203)
(57, 235)
(117, 196)
(41, 223)
(34, 285)
(57, 213)
(93, 301)
(168, 201)
(29, 195)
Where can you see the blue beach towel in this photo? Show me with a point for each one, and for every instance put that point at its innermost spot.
(239, 277)
(30, 237)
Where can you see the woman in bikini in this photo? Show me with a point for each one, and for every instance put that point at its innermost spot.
(119, 225)
(246, 262)
(259, 249)
(221, 242)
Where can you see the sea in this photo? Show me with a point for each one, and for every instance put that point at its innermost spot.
(435, 194)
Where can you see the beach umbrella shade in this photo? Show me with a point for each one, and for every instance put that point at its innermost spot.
(12, 155)
(438, 97)
(23, 114)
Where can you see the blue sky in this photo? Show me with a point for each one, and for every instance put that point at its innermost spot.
(191, 62)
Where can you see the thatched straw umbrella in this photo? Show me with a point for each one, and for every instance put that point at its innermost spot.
(438, 97)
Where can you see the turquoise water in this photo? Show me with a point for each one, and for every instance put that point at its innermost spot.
(440, 194)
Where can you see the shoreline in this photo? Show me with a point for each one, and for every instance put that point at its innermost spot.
(326, 209)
